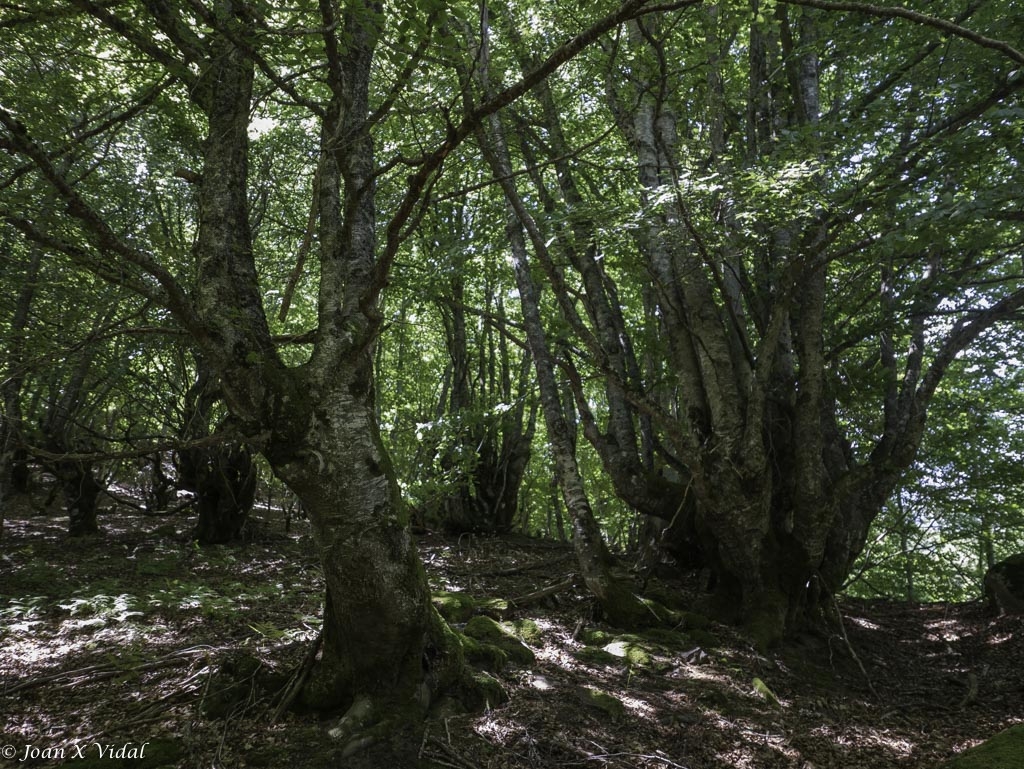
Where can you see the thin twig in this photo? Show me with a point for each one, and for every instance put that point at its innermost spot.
(849, 648)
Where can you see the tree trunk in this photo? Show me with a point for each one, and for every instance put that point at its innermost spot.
(386, 652)
(13, 456)
(221, 476)
(225, 492)
(81, 492)
(615, 598)
(382, 640)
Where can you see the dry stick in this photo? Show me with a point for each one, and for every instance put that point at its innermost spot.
(538, 595)
(448, 752)
(849, 648)
(526, 567)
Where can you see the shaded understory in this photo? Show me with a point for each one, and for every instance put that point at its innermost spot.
(117, 640)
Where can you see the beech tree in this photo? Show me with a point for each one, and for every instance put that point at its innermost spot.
(822, 215)
(194, 74)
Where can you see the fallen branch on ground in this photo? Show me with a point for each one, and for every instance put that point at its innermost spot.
(539, 595)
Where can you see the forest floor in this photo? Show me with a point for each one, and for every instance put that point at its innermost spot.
(113, 642)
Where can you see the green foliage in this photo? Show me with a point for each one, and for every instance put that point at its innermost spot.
(912, 169)
(960, 511)
(1001, 751)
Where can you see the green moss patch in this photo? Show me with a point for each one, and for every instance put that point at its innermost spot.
(591, 655)
(594, 637)
(1002, 751)
(660, 612)
(598, 700)
(484, 655)
(527, 631)
(493, 607)
(454, 607)
(630, 651)
(666, 596)
(485, 629)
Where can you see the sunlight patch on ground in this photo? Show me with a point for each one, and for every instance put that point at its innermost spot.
(41, 651)
(861, 737)
(865, 623)
(638, 707)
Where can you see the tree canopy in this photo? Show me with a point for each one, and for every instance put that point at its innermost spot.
(744, 278)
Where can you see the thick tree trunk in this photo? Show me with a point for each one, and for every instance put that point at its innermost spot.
(81, 491)
(382, 640)
(386, 652)
(222, 476)
(225, 490)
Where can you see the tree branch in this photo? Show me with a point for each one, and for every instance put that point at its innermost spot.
(889, 11)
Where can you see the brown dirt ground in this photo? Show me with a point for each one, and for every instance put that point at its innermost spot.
(115, 640)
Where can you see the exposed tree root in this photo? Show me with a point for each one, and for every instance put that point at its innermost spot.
(298, 680)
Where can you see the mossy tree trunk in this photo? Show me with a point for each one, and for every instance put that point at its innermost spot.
(316, 424)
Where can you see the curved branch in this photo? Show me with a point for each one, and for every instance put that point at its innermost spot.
(889, 11)
(172, 295)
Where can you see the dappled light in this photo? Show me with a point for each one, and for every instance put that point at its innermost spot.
(140, 660)
(476, 385)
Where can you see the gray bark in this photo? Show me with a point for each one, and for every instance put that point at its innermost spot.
(619, 604)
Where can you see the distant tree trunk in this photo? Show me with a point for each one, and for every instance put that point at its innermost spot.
(81, 492)
(221, 475)
(226, 492)
(71, 458)
(490, 451)
(14, 474)
(160, 486)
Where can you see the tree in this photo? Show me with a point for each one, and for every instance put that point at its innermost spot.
(342, 69)
(462, 437)
(820, 226)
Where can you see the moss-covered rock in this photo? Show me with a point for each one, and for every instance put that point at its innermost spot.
(598, 700)
(765, 693)
(592, 655)
(665, 595)
(485, 629)
(485, 693)
(659, 614)
(595, 637)
(627, 649)
(484, 655)
(1005, 750)
(493, 607)
(454, 607)
(528, 631)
